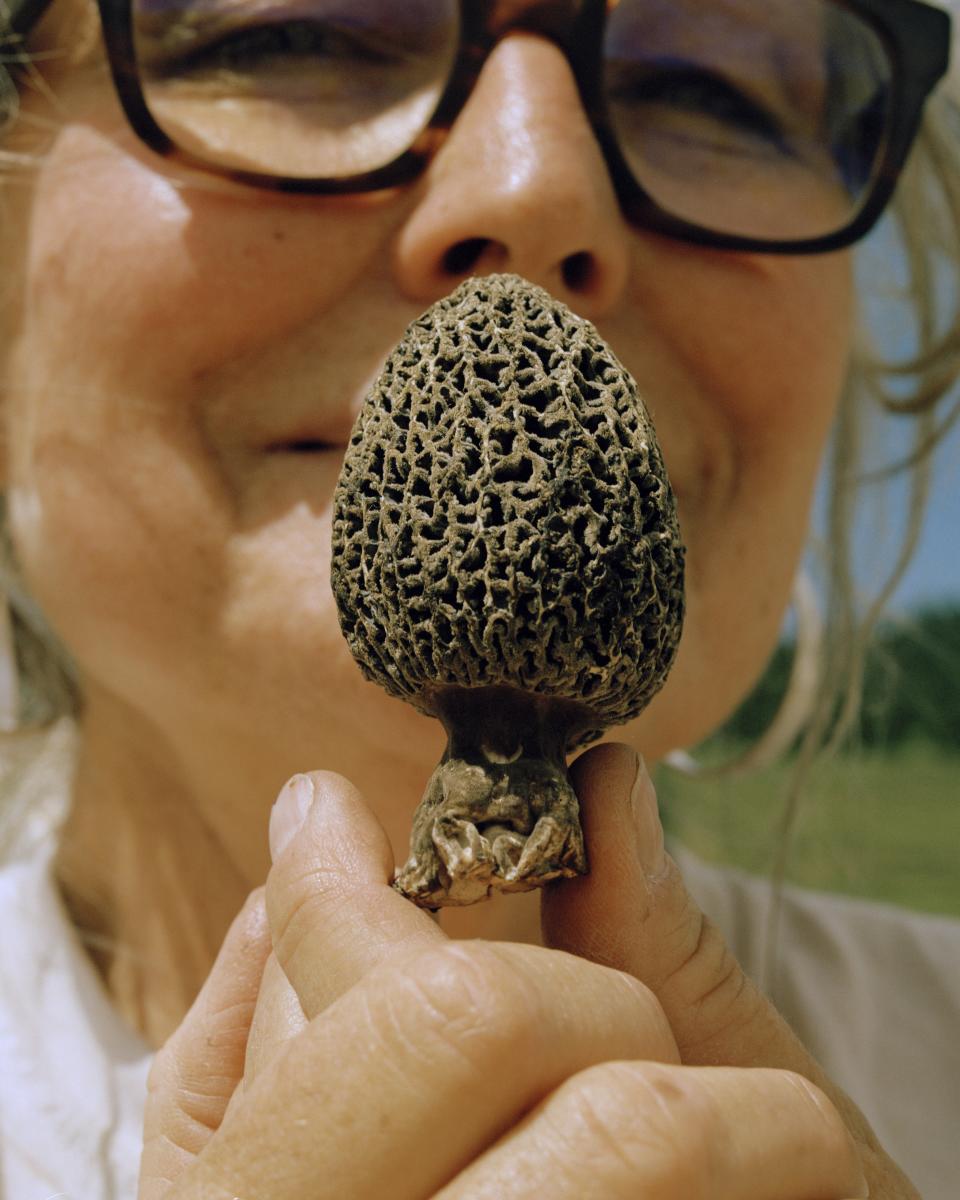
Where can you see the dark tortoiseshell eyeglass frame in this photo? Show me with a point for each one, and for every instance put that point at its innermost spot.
(915, 35)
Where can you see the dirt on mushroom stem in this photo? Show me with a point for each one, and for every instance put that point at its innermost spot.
(506, 558)
(499, 812)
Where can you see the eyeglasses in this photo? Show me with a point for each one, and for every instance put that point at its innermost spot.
(760, 125)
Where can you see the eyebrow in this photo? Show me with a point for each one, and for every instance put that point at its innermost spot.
(165, 28)
(792, 91)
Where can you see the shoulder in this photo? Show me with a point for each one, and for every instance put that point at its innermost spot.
(849, 932)
(805, 946)
(872, 990)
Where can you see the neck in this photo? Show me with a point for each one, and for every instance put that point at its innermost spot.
(146, 875)
(165, 839)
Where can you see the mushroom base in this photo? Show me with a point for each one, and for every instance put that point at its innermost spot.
(492, 826)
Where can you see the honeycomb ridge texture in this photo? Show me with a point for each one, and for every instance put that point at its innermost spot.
(503, 515)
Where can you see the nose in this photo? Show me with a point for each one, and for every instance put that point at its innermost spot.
(520, 185)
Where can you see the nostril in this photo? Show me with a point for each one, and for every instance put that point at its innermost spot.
(459, 259)
(579, 271)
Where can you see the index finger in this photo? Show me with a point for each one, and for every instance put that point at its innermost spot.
(333, 914)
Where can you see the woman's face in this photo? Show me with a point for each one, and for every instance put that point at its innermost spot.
(184, 364)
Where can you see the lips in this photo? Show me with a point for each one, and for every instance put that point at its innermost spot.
(310, 432)
(299, 445)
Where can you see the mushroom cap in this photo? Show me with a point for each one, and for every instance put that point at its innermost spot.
(503, 516)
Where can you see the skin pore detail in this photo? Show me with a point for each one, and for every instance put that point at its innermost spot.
(172, 504)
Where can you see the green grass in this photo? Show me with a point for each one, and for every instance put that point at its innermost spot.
(879, 825)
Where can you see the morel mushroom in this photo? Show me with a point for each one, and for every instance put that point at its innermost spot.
(506, 557)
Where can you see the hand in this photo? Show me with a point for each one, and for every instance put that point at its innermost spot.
(384, 1058)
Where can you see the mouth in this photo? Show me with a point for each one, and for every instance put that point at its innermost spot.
(304, 446)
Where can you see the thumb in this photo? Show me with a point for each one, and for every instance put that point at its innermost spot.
(633, 912)
(333, 913)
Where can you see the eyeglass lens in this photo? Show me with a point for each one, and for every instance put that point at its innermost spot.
(765, 120)
(296, 88)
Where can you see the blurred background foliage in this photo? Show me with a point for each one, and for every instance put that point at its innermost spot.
(881, 818)
(911, 685)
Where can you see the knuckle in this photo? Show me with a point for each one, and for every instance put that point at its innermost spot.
(162, 1068)
(602, 1106)
(623, 998)
(828, 1132)
(463, 997)
(637, 992)
(715, 987)
(298, 903)
(650, 1015)
(641, 1122)
(196, 1090)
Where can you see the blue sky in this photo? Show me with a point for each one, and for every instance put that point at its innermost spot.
(935, 571)
(933, 575)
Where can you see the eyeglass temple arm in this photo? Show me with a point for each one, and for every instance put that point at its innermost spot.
(20, 16)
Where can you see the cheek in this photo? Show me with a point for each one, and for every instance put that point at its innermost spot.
(764, 346)
(103, 558)
(133, 288)
(162, 281)
(779, 373)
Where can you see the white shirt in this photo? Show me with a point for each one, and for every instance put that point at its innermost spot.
(873, 991)
(72, 1073)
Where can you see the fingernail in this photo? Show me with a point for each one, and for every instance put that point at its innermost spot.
(289, 812)
(647, 826)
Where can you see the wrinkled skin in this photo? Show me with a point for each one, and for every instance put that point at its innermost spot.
(468, 1069)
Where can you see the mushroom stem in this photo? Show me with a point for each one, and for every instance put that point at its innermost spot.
(499, 812)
